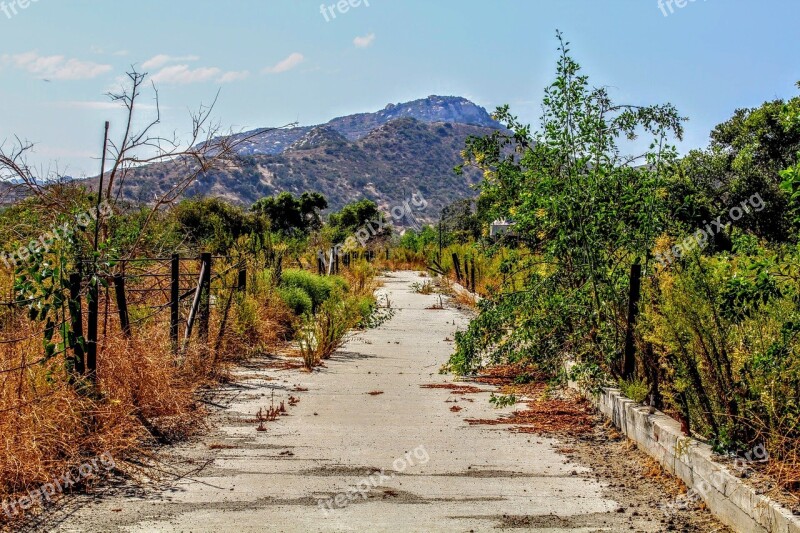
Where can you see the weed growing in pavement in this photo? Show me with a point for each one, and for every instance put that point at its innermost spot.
(502, 400)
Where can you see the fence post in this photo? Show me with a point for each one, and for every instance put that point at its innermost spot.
(76, 319)
(242, 281)
(336, 260)
(91, 333)
(205, 296)
(122, 304)
(634, 293)
(472, 273)
(320, 264)
(174, 301)
(457, 266)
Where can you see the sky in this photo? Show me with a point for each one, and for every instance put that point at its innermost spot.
(275, 62)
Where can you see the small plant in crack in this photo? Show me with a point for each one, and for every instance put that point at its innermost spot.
(502, 400)
(426, 287)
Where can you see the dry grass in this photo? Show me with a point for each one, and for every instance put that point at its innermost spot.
(453, 388)
(465, 298)
(144, 395)
(546, 416)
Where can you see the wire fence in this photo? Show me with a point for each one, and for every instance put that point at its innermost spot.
(175, 293)
(98, 307)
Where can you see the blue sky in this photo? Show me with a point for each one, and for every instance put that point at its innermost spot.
(281, 61)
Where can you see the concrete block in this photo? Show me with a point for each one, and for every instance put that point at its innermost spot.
(731, 500)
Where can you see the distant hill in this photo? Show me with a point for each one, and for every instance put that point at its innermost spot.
(452, 109)
(383, 156)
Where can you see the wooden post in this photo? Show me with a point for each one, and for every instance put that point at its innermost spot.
(205, 296)
(472, 274)
(320, 264)
(76, 319)
(457, 266)
(336, 260)
(241, 284)
(174, 301)
(441, 217)
(634, 293)
(91, 334)
(122, 304)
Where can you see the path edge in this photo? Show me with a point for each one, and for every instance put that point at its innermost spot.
(733, 502)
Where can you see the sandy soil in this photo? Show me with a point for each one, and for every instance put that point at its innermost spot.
(399, 459)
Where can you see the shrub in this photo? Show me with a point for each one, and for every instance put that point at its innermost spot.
(323, 333)
(360, 276)
(318, 288)
(297, 300)
(635, 389)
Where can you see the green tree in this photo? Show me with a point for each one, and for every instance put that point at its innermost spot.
(215, 224)
(461, 222)
(584, 211)
(746, 156)
(291, 215)
(356, 216)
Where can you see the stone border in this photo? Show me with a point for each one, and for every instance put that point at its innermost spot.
(732, 501)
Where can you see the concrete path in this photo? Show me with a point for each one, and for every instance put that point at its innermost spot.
(345, 460)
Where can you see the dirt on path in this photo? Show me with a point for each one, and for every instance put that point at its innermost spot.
(368, 447)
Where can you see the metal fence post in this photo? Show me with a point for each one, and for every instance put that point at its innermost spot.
(205, 296)
(91, 334)
(629, 360)
(76, 319)
(174, 301)
(122, 304)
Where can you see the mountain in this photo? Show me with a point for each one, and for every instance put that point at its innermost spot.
(432, 109)
(383, 156)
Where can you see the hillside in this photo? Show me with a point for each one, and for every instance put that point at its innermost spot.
(383, 156)
(432, 109)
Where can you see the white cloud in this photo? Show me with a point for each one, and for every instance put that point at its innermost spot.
(234, 76)
(55, 67)
(160, 60)
(183, 74)
(289, 63)
(364, 42)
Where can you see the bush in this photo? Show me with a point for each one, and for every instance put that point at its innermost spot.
(318, 288)
(365, 306)
(324, 333)
(635, 389)
(297, 300)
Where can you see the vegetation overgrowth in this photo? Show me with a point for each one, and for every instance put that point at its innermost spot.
(674, 277)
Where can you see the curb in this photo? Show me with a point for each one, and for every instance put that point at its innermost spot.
(733, 502)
